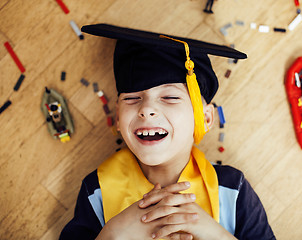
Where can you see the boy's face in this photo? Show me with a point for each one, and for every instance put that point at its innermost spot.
(157, 124)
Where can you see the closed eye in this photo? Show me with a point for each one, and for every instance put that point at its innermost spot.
(131, 100)
(171, 99)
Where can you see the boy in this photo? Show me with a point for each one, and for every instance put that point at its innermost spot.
(162, 187)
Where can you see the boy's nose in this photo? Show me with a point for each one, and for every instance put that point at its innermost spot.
(147, 111)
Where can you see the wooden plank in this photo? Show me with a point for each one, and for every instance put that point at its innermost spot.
(32, 216)
(54, 231)
(288, 223)
(65, 179)
(33, 158)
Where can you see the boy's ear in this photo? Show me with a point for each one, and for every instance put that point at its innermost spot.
(209, 114)
(117, 120)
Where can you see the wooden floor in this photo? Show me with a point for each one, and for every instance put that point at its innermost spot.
(40, 177)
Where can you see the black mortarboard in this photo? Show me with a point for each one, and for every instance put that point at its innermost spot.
(143, 60)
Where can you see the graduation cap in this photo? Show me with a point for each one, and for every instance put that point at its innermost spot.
(143, 60)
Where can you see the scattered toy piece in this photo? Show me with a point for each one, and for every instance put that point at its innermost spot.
(221, 137)
(76, 29)
(84, 82)
(14, 56)
(95, 87)
(208, 7)
(297, 3)
(239, 23)
(297, 79)
(263, 28)
(63, 6)
(221, 115)
(221, 149)
(114, 131)
(215, 105)
(106, 109)
(295, 22)
(227, 73)
(63, 76)
(109, 121)
(235, 61)
(223, 30)
(102, 97)
(221, 125)
(119, 141)
(279, 29)
(18, 83)
(219, 162)
(253, 25)
(5, 106)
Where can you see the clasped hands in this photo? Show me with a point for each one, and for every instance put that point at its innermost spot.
(164, 213)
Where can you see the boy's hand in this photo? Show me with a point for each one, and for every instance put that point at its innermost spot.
(129, 225)
(177, 213)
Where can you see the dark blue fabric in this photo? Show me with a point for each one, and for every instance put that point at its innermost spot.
(251, 219)
(85, 224)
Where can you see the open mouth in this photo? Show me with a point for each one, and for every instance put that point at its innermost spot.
(151, 135)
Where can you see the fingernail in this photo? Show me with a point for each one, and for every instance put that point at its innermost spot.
(153, 235)
(195, 216)
(187, 184)
(192, 196)
(141, 202)
(145, 195)
(144, 218)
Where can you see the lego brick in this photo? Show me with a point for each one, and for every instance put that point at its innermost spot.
(253, 25)
(227, 73)
(76, 29)
(63, 76)
(5, 106)
(221, 137)
(239, 23)
(102, 97)
(109, 121)
(84, 82)
(221, 115)
(95, 87)
(263, 28)
(221, 149)
(14, 56)
(63, 6)
(106, 109)
(219, 162)
(119, 141)
(19, 82)
(295, 22)
(279, 30)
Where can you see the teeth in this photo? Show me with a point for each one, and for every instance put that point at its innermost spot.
(150, 132)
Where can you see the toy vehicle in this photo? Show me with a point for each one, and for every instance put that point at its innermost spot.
(58, 119)
(294, 94)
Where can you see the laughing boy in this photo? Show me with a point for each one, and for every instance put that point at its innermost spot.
(161, 186)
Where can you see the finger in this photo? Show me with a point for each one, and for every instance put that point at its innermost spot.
(179, 236)
(157, 186)
(169, 215)
(154, 198)
(177, 187)
(167, 230)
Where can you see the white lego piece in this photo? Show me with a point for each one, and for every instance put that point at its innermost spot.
(295, 22)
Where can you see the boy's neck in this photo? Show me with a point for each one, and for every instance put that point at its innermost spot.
(166, 174)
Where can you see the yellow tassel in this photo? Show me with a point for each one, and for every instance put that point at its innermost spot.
(195, 96)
